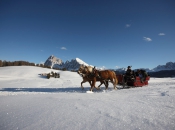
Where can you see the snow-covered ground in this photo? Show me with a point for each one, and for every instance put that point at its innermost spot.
(29, 101)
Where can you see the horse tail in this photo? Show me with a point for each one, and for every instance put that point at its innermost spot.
(115, 78)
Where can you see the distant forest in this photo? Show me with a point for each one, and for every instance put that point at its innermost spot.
(18, 63)
(26, 63)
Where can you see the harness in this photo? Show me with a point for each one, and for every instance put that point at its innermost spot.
(85, 72)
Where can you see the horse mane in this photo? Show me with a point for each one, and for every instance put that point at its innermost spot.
(89, 68)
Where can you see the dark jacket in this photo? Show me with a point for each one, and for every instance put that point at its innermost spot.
(128, 72)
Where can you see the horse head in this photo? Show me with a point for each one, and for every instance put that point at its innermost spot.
(85, 69)
(81, 69)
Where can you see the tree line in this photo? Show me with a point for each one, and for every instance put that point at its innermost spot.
(25, 63)
(15, 63)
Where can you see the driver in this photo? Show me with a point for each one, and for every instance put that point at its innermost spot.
(129, 75)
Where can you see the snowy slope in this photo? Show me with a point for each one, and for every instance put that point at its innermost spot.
(30, 101)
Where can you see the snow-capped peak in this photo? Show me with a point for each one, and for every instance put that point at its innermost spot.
(81, 61)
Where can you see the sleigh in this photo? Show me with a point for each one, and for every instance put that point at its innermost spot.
(132, 82)
(52, 74)
(49, 75)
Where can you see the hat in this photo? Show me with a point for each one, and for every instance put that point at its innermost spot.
(129, 66)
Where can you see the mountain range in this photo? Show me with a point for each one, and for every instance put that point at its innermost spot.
(56, 63)
(74, 64)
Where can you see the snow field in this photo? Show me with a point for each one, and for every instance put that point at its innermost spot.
(30, 101)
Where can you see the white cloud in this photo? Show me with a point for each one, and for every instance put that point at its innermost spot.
(161, 34)
(117, 67)
(101, 67)
(127, 25)
(63, 48)
(147, 39)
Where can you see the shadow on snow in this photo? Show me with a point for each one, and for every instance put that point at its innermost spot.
(47, 90)
(53, 90)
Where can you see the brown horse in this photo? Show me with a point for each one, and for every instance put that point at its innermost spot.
(87, 72)
(88, 78)
(105, 75)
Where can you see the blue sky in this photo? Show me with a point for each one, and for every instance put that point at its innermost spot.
(110, 33)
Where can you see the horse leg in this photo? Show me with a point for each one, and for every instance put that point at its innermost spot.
(101, 82)
(82, 84)
(93, 84)
(106, 84)
(90, 83)
(98, 86)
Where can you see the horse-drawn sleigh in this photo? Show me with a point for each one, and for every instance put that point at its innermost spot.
(92, 75)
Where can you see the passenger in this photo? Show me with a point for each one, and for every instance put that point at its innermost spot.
(139, 74)
(142, 74)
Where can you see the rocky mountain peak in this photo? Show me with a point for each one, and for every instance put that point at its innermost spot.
(55, 62)
(52, 60)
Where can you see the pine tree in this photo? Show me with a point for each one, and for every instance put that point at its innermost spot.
(1, 64)
(4, 63)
